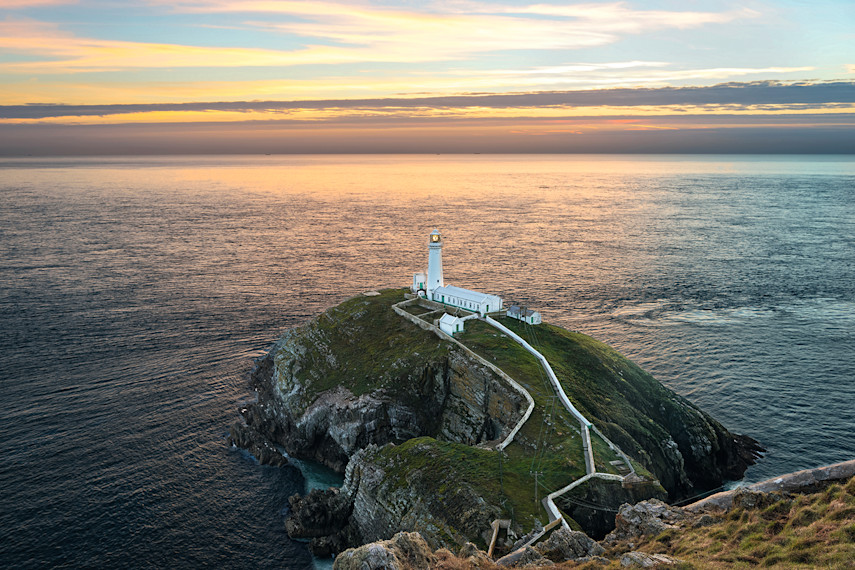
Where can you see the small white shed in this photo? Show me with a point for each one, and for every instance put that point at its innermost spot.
(450, 324)
(524, 315)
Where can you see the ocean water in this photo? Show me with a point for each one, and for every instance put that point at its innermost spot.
(134, 293)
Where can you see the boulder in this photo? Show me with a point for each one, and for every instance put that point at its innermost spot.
(403, 551)
(647, 518)
(473, 557)
(532, 558)
(565, 544)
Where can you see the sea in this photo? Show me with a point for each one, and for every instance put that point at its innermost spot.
(135, 293)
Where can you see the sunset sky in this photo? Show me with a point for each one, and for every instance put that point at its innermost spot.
(211, 76)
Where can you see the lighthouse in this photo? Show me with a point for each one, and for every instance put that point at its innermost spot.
(434, 272)
(433, 286)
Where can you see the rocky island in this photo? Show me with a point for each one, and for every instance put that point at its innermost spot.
(419, 423)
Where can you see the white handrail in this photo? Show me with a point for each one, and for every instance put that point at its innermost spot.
(586, 425)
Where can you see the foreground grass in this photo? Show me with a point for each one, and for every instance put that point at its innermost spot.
(809, 531)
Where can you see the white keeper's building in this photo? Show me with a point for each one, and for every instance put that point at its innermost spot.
(433, 287)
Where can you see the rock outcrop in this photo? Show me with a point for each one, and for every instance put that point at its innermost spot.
(646, 518)
(565, 544)
(404, 551)
(593, 505)
(323, 517)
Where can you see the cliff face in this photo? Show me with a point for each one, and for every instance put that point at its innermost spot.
(444, 505)
(403, 412)
(360, 375)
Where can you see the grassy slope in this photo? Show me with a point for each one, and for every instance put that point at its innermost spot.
(577, 365)
(605, 386)
(630, 406)
(810, 531)
(371, 346)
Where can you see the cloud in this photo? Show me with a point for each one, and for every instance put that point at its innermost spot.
(42, 140)
(17, 4)
(447, 34)
(338, 32)
(775, 96)
(67, 53)
(618, 17)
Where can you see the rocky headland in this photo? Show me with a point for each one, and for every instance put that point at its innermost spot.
(412, 421)
(800, 520)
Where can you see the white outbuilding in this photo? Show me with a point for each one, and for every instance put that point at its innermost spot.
(468, 300)
(524, 315)
(450, 324)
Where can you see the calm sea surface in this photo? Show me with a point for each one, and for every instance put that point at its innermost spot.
(135, 292)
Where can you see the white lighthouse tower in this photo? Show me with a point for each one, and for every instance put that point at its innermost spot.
(434, 272)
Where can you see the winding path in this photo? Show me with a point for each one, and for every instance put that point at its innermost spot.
(585, 425)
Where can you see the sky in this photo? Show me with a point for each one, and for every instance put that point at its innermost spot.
(262, 76)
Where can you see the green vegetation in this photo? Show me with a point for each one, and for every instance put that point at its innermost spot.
(503, 479)
(626, 403)
(562, 432)
(809, 531)
(363, 345)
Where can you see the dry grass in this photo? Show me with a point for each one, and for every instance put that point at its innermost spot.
(808, 531)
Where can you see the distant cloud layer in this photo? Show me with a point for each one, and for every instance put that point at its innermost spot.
(802, 95)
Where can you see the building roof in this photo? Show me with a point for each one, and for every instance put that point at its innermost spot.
(449, 319)
(473, 296)
(517, 310)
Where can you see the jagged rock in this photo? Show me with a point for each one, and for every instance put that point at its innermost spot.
(531, 557)
(243, 436)
(647, 518)
(323, 516)
(565, 544)
(474, 557)
(320, 513)
(644, 560)
(404, 551)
